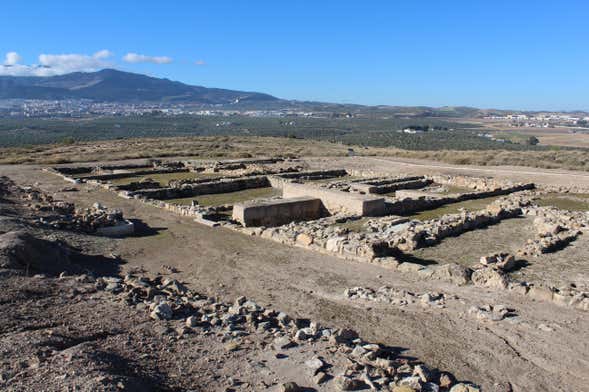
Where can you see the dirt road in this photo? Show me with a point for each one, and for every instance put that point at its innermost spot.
(415, 166)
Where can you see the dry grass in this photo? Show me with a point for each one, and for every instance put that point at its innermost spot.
(454, 208)
(197, 147)
(218, 199)
(568, 201)
(163, 178)
(244, 147)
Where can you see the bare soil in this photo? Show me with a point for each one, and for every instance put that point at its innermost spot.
(544, 349)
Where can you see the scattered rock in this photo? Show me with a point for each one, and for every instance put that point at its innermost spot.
(314, 364)
(345, 383)
(320, 378)
(491, 278)
(465, 388)
(162, 311)
(290, 387)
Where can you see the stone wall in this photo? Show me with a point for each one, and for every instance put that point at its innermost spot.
(555, 229)
(277, 212)
(337, 201)
(205, 188)
(408, 201)
(89, 169)
(380, 187)
(315, 174)
(114, 176)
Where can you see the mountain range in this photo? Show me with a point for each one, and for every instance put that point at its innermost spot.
(110, 85)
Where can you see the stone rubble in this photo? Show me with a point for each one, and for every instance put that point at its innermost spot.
(87, 220)
(368, 364)
(554, 230)
(396, 297)
(64, 215)
(491, 312)
(501, 261)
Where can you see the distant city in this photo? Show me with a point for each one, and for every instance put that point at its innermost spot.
(79, 108)
(542, 120)
(84, 107)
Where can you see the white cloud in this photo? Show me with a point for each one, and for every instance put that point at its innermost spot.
(55, 64)
(103, 54)
(141, 58)
(200, 62)
(12, 58)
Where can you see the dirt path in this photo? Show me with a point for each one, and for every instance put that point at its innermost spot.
(414, 166)
(546, 350)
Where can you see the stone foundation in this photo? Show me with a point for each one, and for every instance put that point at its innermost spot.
(387, 186)
(205, 188)
(277, 212)
(337, 201)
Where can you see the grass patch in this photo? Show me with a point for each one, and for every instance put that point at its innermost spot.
(454, 208)
(354, 225)
(163, 178)
(467, 248)
(568, 201)
(333, 179)
(452, 189)
(229, 198)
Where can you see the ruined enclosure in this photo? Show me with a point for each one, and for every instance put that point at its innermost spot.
(420, 224)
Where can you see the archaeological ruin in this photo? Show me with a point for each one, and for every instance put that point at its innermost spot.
(380, 219)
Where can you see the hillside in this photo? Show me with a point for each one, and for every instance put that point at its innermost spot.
(116, 86)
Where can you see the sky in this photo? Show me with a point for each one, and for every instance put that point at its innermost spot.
(524, 54)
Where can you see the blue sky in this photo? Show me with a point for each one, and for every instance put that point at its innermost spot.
(520, 54)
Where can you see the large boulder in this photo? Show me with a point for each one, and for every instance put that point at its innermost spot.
(452, 273)
(489, 277)
(21, 250)
(503, 261)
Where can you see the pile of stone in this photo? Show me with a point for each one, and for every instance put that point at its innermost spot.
(88, 220)
(146, 183)
(398, 297)
(555, 229)
(502, 261)
(368, 365)
(491, 312)
(324, 235)
(40, 201)
(475, 183)
(166, 165)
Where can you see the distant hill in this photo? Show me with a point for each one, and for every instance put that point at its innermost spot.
(111, 85)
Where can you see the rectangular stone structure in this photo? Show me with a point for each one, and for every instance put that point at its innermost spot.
(277, 212)
(337, 201)
(383, 187)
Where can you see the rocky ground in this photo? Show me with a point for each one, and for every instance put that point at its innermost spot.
(69, 326)
(71, 331)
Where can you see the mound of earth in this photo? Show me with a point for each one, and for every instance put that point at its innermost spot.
(21, 250)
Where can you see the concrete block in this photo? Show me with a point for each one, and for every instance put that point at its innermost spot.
(277, 212)
(338, 201)
(122, 229)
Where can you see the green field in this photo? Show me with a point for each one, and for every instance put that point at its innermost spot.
(454, 208)
(229, 198)
(164, 178)
(566, 201)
